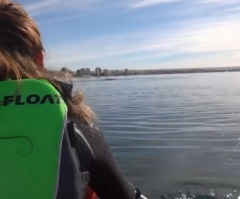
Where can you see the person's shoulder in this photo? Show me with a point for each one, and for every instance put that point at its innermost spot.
(89, 128)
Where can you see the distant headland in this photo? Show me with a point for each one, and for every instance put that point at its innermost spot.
(86, 72)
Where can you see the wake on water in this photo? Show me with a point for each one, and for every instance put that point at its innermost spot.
(188, 195)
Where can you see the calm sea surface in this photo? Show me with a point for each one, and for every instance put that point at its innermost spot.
(172, 135)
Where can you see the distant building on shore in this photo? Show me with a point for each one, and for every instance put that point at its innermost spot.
(116, 72)
(88, 71)
(106, 72)
(98, 71)
(81, 72)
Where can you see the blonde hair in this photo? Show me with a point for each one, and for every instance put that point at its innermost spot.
(20, 42)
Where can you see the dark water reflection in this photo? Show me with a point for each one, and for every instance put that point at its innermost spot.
(172, 133)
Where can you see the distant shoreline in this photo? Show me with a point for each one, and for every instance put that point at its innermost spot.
(152, 72)
(189, 70)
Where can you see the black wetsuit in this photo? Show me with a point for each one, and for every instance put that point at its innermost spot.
(106, 179)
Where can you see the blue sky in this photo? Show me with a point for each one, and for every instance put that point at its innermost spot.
(138, 34)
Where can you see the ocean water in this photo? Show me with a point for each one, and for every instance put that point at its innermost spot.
(174, 136)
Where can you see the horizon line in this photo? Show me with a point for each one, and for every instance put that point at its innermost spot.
(211, 67)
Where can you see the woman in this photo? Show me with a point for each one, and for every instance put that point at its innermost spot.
(21, 57)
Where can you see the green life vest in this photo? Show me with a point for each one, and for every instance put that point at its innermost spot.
(32, 123)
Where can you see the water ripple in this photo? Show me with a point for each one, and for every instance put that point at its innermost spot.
(175, 136)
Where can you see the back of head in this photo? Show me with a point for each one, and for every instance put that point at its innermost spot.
(19, 42)
(20, 45)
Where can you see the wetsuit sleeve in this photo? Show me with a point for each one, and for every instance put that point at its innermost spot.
(107, 180)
